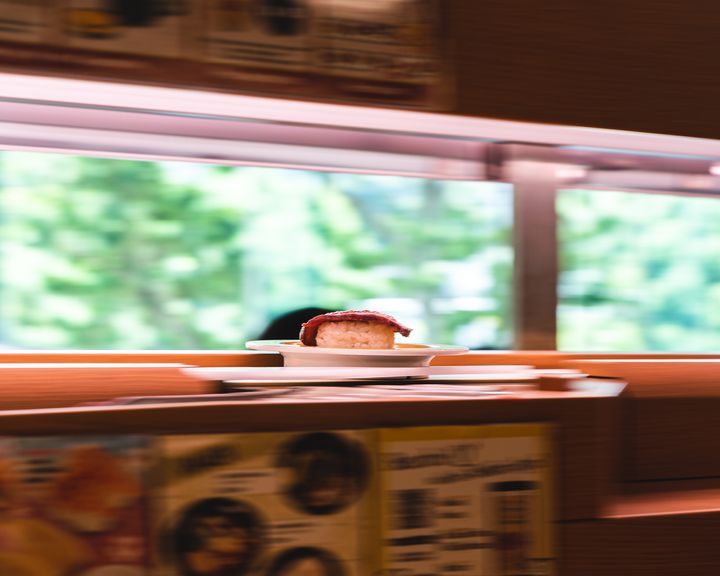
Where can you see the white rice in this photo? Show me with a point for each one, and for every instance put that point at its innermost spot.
(353, 334)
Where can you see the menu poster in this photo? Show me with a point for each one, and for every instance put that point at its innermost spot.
(73, 506)
(24, 20)
(386, 52)
(143, 27)
(264, 503)
(466, 500)
(383, 50)
(264, 44)
(519, 497)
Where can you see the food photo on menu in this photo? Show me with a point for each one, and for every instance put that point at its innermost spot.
(263, 503)
(217, 536)
(323, 472)
(73, 506)
(306, 561)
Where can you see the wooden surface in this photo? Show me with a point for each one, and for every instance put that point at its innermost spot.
(55, 379)
(644, 65)
(669, 416)
(579, 418)
(189, 357)
(665, 497)
(672, 403)
(663, 426)
(538, 358)
(27, 386)
(667, 545)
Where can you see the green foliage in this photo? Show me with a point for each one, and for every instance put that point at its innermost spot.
(640, 272)
(100, 253)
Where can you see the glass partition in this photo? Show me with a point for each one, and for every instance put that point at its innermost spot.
(100, 253)
(639, 272)
(147, 217)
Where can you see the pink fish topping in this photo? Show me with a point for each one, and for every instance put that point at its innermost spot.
(308, 332)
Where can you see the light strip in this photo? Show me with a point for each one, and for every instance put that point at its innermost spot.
(194, 102)
(87, 141)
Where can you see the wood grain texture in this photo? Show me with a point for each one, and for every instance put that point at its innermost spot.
(665, 498)
(24, 386)
(537, 358)
(669, 416)
(190, 357)
(645, 66)
(656, 377)
(670, 545)
(579, 437)
(673, 438)
(56, 379)
(555, 359)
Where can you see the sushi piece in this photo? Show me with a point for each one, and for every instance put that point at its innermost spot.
(352, 329)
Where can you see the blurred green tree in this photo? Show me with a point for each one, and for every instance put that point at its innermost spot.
(640, 272)
(105, 253)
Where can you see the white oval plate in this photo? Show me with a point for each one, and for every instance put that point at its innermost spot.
(332, 374)
(405, 355)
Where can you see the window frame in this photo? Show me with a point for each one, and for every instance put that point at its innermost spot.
(146, 122)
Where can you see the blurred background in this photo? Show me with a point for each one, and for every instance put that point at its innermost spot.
(102, 253)
(128, 224)
(106, 253)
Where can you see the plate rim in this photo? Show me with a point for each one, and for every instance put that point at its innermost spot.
(270, 374)
(413, 349)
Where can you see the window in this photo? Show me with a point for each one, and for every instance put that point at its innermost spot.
(99, 253)
(186, 220)
(639, 272)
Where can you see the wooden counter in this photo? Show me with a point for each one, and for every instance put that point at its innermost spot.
(583, 419)
(638, 480)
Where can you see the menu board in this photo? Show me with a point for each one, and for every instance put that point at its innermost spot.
(267, 503)
(378, 49)
(71, 505)
(150, 28)
(466, 500)
(261, 35)
(384, 52)
(469, 500)
(24, 20)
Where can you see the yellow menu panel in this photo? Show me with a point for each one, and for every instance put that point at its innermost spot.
(266, 503)
(466, 500)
